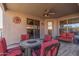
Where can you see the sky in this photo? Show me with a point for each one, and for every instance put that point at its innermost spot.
(73, 25)
(1, 23)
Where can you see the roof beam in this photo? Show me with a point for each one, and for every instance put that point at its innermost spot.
(5, 6)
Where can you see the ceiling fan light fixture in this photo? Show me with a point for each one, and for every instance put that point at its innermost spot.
(49, 12)
(46, 15)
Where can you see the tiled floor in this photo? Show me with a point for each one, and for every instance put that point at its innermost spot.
(68, 49)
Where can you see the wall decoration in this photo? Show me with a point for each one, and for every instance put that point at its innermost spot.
(17, 20)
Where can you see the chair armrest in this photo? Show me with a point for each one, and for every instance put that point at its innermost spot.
(3, 54)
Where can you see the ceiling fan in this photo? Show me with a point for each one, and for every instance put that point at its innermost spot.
(49, 12)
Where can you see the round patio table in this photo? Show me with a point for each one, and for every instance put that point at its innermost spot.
(29, 44)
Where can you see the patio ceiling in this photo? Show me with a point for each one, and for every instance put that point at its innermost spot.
(38, 9)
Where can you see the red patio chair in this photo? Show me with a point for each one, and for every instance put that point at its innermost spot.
(24, 37)
(62, 36)
(47, 38)
(70, 37)
(66, 37)
(49, 48)
(8, 52)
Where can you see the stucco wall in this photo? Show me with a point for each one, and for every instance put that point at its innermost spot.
(12, 31)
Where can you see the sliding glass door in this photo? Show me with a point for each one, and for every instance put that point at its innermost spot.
(73, 25)
(70, 25)
(63, 26)
(34, 28)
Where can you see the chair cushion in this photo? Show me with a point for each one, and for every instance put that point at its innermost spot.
(15, 48)
(24, 37)
(14, 53)
(11, 52)
(3, 46)
(47, 38)
(66, 37)
(47, 46)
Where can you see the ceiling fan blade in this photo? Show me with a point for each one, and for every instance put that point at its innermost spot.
(48, 13)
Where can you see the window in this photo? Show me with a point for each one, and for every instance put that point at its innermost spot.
(50, 28)
(49, 25)
(1, 21)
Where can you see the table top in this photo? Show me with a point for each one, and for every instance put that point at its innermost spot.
(30, 43)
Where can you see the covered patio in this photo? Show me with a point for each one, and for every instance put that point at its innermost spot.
(39, 29)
